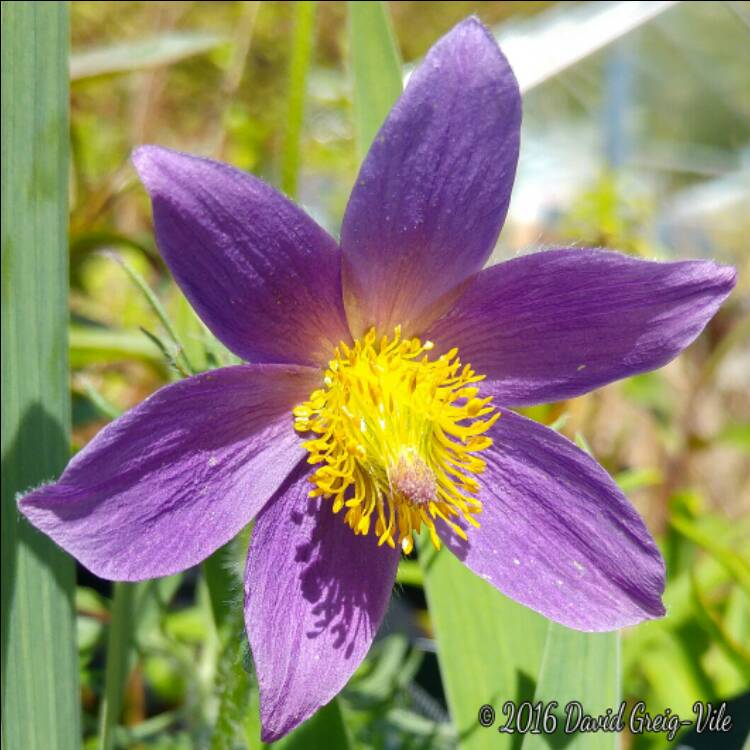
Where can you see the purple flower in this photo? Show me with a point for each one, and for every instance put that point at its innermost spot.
(378, 398)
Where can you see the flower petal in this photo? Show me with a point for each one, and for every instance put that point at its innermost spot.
(314, 597)
(433, 192)
(558, 535)
(264, 277)
(163, 486)
(555, 324)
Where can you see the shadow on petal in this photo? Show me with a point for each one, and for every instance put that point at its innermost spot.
(315, 595)
(338, 603)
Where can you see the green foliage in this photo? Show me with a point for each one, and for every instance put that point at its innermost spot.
(376, 68)
(118, 660)
(582, 668)
(39, 664)
(140, 55)
(325, 729)
(490, 648)
(302, 43)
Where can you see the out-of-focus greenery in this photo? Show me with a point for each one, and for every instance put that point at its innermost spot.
(214, 79)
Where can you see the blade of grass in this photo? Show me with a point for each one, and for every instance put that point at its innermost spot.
(89, 344)
(40, 694)
(376, 67)
(157, 307)
(581, 667)
(735, 563)
(170, 353)
(117, 661)
(105, 407)
(735, 651)
(140, 55)
(190, 329)
(302, 43)
(489, 647)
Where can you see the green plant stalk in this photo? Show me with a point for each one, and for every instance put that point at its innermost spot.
(40, 691)
(409, 573)
(105, 407)
(735, 564)
(302, 43)
(232, 685)
(223, 586)
(90, 344)
(171, 356)
(117, 661)
(735, 651)
(158, 309)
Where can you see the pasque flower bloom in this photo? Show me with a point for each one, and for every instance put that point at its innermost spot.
(378, 399)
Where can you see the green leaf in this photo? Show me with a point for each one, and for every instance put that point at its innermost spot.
(324, 729)
(140, 55)
(153, 302)
(119, 642)
(712, 622)
(489, 647)
(304, 32)
(105, 407)
(40, 694)
(736, 564)
(190, 328)
(583, 668)
(631, 480)
(376, 66)
(89, 344)
(675, 676)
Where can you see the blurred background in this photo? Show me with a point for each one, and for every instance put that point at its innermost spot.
(636, 136)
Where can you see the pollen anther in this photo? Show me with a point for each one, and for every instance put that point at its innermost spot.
(395, 437)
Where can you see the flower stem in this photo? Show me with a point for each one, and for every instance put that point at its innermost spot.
(302, 42)
(117, 661)
(160, 312)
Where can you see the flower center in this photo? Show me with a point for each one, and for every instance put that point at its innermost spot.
(395, 438)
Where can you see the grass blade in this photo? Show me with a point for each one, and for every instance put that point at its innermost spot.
(489, 647)
(89, 344)
(40, 694)
(582, 667)
(153, 301)
(121, 630)
(302, 43)
(376, 67)
(141, 55)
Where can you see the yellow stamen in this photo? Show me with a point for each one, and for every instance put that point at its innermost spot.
(395, 437)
